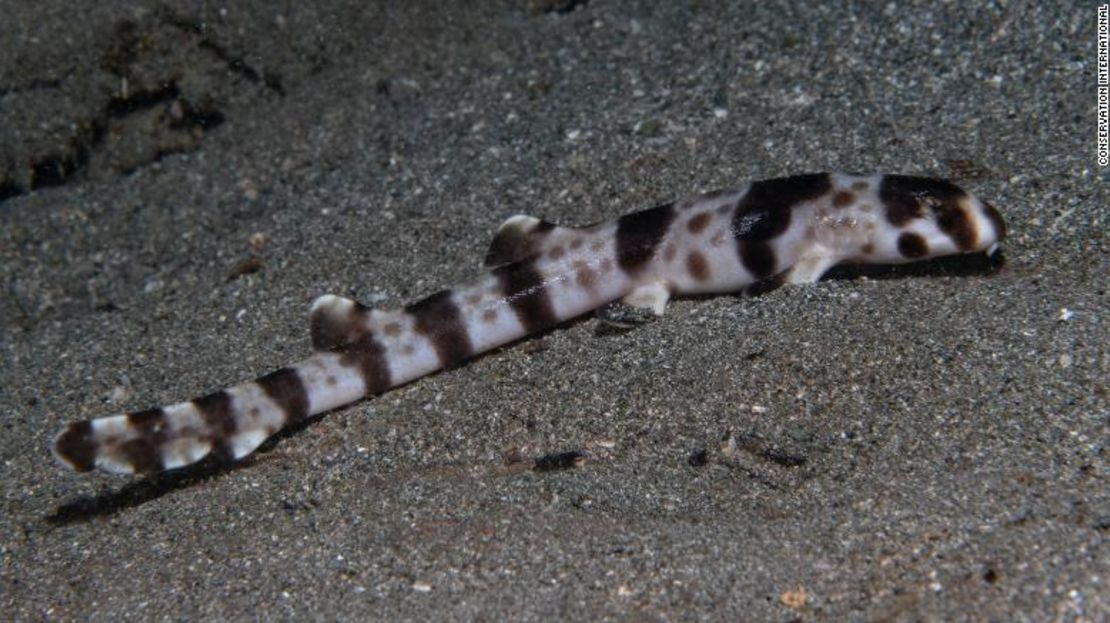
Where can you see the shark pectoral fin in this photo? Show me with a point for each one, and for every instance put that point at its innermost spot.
(653, 296)
(336, 320)
(811, 265)
(517, 238)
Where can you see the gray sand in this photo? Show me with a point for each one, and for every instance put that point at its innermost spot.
(928, 446)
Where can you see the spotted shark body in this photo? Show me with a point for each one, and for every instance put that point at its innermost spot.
(753, 237)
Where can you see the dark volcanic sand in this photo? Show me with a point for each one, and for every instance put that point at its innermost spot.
(931, 446)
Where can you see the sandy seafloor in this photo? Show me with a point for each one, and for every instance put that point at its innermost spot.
(913, 445)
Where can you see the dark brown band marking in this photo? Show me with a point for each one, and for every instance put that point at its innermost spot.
(438, 319)
(764, 211)
(697, 266)
(143, 456)
(516, 242)
(912, 245)
(764, 214)
(149, 423)
(329, 329)
(759, 258)
(523, 287)
(639, 233)
(284, 387)
(954, 222)
(77, 447)
(144, 453)
(215, 410)
(906, 197)
(368, 357)
(996, 220)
